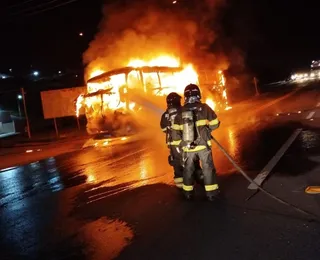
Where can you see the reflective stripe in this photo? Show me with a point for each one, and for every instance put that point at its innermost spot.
(211, 187)
(163, 129)
(175, 142)
(214, 122)
(179, 185)
(187, 187)
(197, 148)
(178, 180)
(201, 122)
(177, 127)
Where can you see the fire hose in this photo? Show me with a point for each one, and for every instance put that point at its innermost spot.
(245, 175)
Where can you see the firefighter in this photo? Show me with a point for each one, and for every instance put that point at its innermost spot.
(175, 158)
(193, 126)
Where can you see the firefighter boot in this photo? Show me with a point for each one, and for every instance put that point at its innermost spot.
(213, 195)
(189, 195)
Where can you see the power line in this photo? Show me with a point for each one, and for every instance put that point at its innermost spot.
(41, 10)
(31, 8)
(51, 8)
(16, 5)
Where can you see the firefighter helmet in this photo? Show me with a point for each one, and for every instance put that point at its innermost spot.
(192, 93)
(173, 100)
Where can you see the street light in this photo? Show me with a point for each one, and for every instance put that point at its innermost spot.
(36, 73)
(19, 97)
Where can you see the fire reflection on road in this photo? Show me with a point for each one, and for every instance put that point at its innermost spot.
(105, 238)
(135, 169)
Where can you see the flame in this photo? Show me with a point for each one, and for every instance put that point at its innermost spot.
(91, 178)
(79, 102)
(132, 105)
(211, 103)
(169, 82)
(224, 94)
(96, 73)
(151, 83)
(166, 61)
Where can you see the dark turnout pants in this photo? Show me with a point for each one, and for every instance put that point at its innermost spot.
(176, 163)
(177, 166)
(208, 169)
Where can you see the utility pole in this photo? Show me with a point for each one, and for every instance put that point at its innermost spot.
(19, 109)
(255, 81)
(25, 111)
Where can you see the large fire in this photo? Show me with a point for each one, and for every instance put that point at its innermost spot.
(160, 61)
(157, 84)
(170, 81)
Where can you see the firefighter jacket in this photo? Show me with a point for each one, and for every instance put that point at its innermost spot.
(166, 127)
(205, 121)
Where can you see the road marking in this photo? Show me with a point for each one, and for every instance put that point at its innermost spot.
(318, 105)
(274, 160)
(310, 115)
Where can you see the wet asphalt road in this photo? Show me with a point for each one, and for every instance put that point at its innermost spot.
(119, 201)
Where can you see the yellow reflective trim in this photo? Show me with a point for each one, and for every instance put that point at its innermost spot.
(163, 129)
(178, 180)
(175, 142)
(211, 187)
(179, 185)
(187, 187)
(214, 122)
(209, 143)
(196, 149)
(177, 127)
(201, 122)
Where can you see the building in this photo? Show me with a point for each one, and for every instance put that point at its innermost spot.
(7, 125)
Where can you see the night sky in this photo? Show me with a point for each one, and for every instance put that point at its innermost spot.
(275, 37)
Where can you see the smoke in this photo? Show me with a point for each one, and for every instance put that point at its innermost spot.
(145, 29)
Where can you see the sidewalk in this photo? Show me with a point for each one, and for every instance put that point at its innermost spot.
(8, 134)
(21, 155)
(20, 150)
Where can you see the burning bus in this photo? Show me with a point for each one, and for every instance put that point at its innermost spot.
(112, 99)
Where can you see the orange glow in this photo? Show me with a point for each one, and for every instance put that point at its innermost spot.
(224, 94)
(132, 105)
(158, 82)
(166, 61)
(96, 73)
(91, 178)
(211, 103)
(170, 82)
(80, 99)
(232, 142)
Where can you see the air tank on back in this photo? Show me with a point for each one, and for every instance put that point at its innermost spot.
(188, 127)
